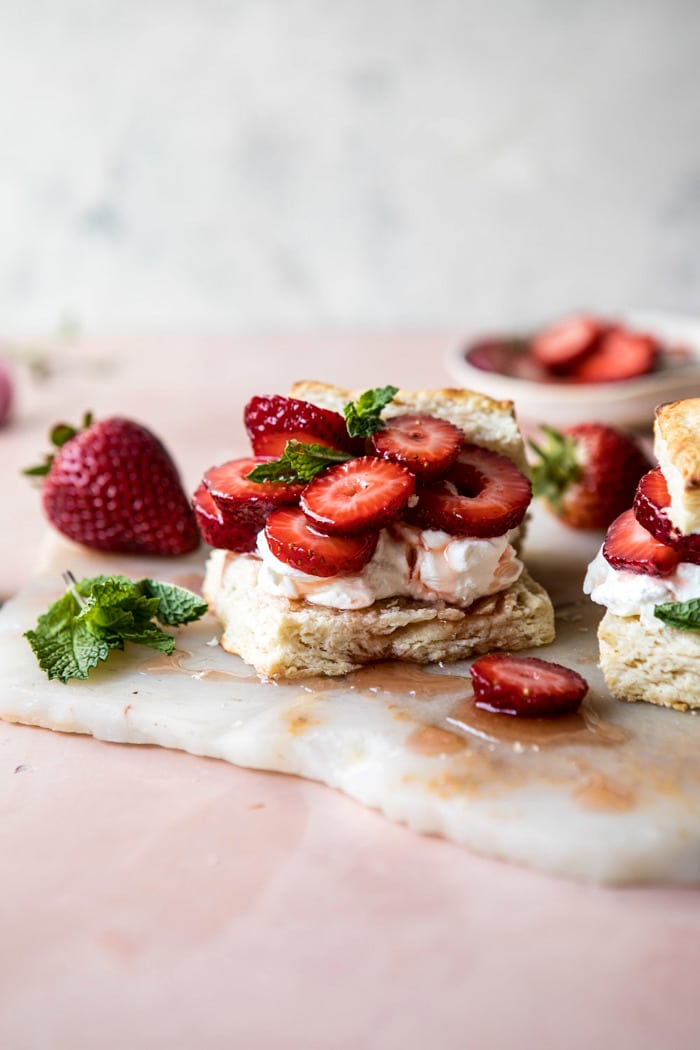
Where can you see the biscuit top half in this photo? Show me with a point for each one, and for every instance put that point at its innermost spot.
(483, 420)
(677, 448)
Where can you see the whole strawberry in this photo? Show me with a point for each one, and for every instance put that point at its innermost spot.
(587, 474)
(114, 487)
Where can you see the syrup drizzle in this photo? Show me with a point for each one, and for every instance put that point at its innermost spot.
(175, 664)
(391, 678)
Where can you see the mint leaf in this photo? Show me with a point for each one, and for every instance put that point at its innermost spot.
(175, 604)
(683, 615)
(151, 635)
(298, 462)
(66, 649)
(363, 417)
(99, 614)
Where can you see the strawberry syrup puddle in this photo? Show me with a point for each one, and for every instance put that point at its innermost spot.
(583, 726)
(464, 720)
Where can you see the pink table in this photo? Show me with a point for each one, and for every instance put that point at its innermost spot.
(151, 898)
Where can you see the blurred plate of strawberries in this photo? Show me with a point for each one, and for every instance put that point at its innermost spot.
(585, 366)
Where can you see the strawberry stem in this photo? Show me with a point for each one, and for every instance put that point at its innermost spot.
(557, 466)
(59, 435)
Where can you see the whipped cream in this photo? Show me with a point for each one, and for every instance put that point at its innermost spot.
(627, 593)
(427, 565)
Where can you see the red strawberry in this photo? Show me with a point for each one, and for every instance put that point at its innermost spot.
(525, 685)
(272, 421)
(293, 540)
(563, 345)
(587, 474)
(364, 493)
(245, 505)
(620, 354)
(483, 494)
(210, 521)
(651, 503)
(114, 487)
(426, 445)
(629, 546)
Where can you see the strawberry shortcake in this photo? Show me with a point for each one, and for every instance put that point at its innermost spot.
(647, 573)
(369, 526)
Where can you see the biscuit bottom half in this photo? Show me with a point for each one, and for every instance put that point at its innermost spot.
(282, 638)
(658, 664)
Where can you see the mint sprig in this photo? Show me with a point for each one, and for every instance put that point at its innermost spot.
(102, 613)
(683, 615)
(298, 463)
(364, 416)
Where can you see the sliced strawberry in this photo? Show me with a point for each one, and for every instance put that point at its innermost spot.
(364, 493)
(629, 546)
(651, 503)
(245, 505)
(525, 685)
(293, 540)
(620, 354)
(483, 494)
(561, 346)
(272, 421)
(211, 524)
(426, 445)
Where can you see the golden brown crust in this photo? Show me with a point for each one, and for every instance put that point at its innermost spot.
(484, 420)
(678, 425)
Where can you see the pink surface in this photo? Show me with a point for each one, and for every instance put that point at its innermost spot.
(150, 898)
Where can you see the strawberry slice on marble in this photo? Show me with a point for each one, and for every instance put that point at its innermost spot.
(245, 505)
(361, 494)
(651, 505)
(525, 685)
(273, 420)
(629, 546)
(482, 495)
(428, 446)
(293, 540)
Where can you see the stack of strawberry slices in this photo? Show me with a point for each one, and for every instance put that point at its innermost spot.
(643, 539)
(322, 486)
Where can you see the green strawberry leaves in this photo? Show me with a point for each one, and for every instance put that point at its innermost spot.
(100, 614)
(557, 466)
(58, 436)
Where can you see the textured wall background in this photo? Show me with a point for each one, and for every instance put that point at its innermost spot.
(351, 164)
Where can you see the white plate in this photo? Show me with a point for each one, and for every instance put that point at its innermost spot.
(629, 403)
